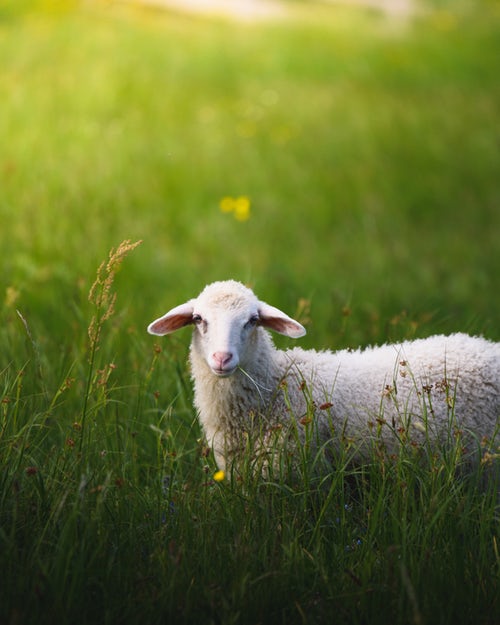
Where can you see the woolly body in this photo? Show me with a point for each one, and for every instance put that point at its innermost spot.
(422, 390)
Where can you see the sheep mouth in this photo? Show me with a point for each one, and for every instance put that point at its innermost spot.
(224, 373)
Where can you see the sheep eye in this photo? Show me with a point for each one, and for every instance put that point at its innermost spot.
(252, 321)
(197, 319)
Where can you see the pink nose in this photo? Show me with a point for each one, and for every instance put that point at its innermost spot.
(222, 359)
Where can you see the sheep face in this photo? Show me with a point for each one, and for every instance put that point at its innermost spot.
(224, 338)
(226, 318)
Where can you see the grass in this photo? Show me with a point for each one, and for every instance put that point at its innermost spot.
(367, 149)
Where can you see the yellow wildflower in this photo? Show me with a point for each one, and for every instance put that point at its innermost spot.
(242, 208)
(239, 206)
(226, 204)
(219, 476)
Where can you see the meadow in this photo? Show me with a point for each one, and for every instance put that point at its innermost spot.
(343, 163)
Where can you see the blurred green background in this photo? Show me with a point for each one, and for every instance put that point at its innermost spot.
(367, 147)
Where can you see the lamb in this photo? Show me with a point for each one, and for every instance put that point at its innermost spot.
(416, 392)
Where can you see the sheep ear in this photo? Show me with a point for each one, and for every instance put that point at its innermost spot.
(275, 319)
(176, 318)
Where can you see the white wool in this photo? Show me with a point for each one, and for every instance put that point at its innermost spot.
(423, 390)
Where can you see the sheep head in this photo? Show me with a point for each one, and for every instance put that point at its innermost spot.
(226, 318)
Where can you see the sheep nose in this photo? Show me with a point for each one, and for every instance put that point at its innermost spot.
(222, 359)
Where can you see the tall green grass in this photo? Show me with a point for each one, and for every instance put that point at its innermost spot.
(368, 149)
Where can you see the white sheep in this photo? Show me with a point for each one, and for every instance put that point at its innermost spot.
(415, 392)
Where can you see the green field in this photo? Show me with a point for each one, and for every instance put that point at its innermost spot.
(343, 163)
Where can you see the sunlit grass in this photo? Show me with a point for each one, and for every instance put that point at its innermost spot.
(343, 164)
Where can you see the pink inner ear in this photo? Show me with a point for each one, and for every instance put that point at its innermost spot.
(169, 323)
(284, 326)
(176, 318)
(278, 325)
(274, 319)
